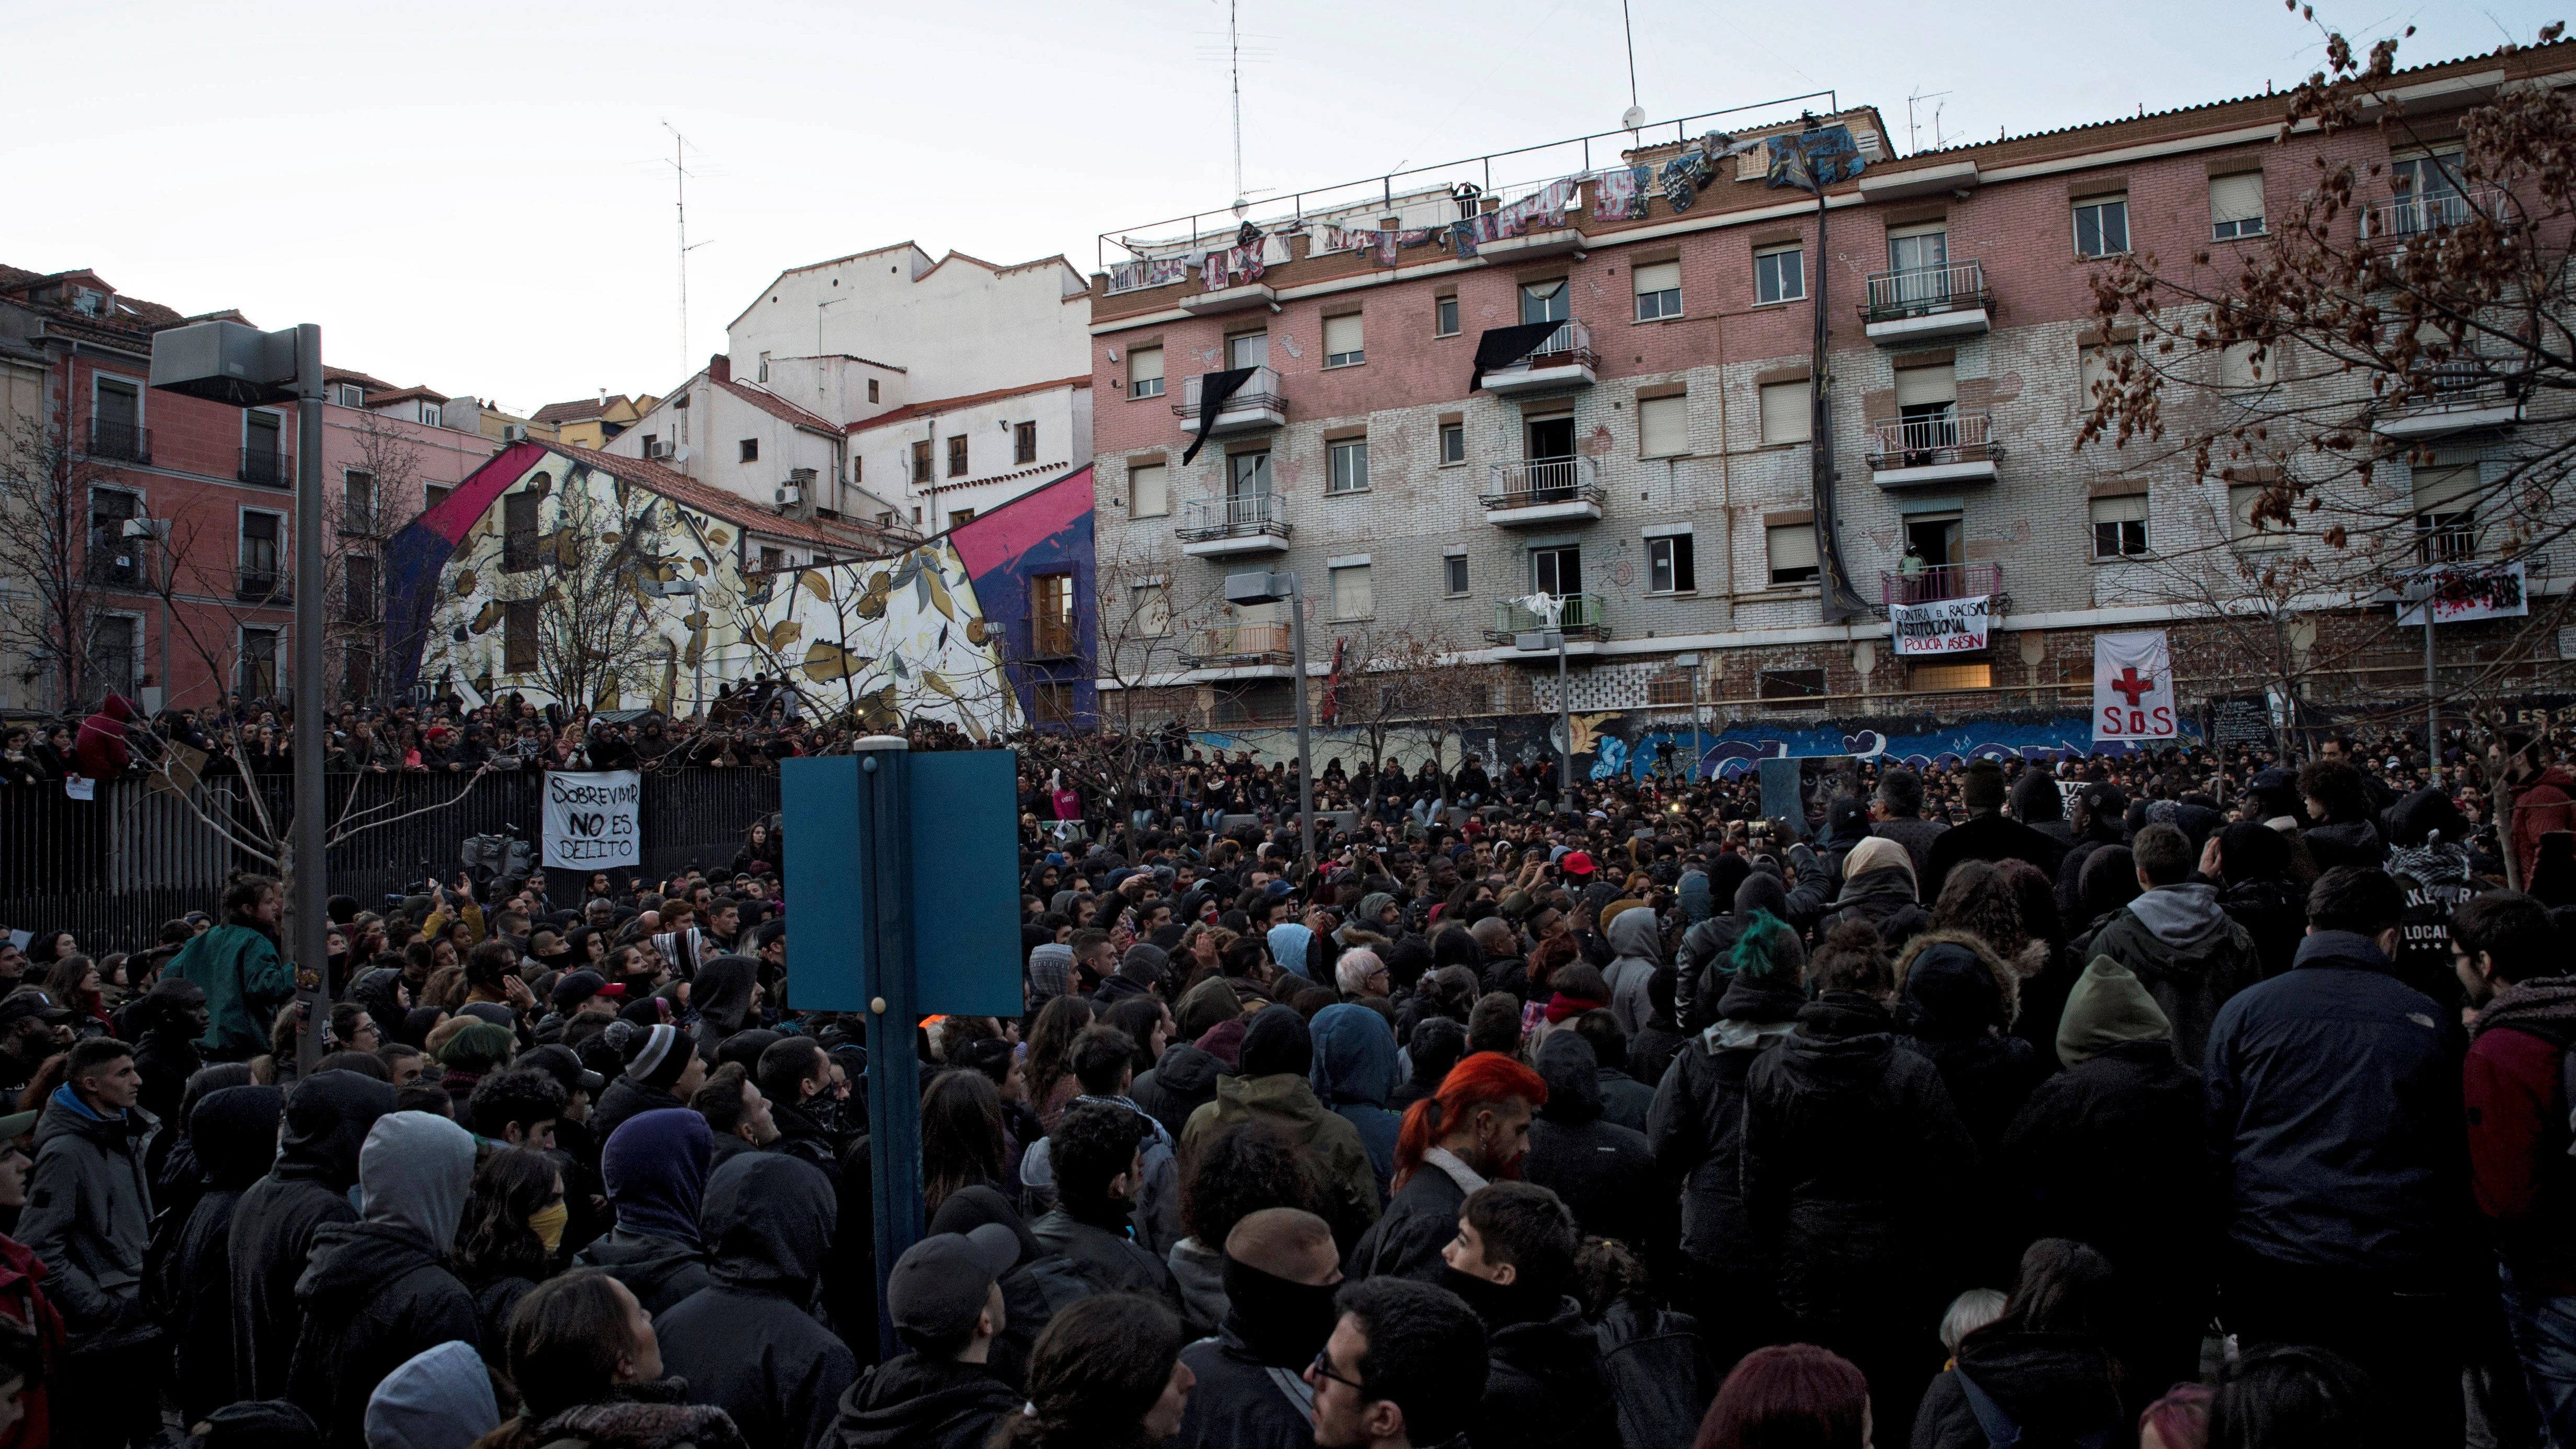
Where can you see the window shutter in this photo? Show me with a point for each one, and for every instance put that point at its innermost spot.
(1787, 412)
(1918, 386)
(2236, 198)
(1351, 596)
(2129, 509)
(1658, 277)
(1341, 334)
(1793, 546)
(1149, 491)
(1145, 364)
(2445, 490)
(1663, 427)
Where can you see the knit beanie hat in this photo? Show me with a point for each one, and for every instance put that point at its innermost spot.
(661, 1057)
(2108, 1006)
(1981, 786)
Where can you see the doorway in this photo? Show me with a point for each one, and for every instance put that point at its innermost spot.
(1933, 555)
(1548, 457)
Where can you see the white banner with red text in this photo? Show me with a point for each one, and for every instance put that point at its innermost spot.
(2133, 695)
(1941, 626)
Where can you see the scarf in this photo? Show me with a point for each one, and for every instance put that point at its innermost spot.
(1562, 1006)
(2544, 1005)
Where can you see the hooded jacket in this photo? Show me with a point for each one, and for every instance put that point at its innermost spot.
(1605, 1173)
(1854, 1166)
(1181, 1083)
(1697, 1126)
(1420, 1220)
(89, 1217)
(1278, 1053)
(245, 978)
(441, 1398)
(1707, 946)
(2512, 1087)
(1355, 1072)
(1993, 836)
(721, 993)
(377, 1291)
(655, 1169)
(748, 1343)
(328, 1117)
(1638, 940)
(234, 1133)
(1543, 1386)
(1959, 1002)
(1882, 898)
(2187, 952)
(2054, 1386)
(100, 749)
(913, 1402)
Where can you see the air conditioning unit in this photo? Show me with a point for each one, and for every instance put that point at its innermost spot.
(792, 492)
(657, 448)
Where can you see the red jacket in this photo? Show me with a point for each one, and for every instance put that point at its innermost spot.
(2517, 1127)
(2548, 803)
(24, 1304)
(100, 751)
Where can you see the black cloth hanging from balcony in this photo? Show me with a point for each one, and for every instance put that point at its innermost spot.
(1503, 346)
(1214, 389)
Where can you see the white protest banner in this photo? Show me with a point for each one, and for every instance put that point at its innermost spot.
(2462, 593)
(1940, 626)
(590, 819)
(2133, 696)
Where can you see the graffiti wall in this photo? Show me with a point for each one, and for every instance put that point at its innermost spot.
(494, 588)
(1043, 535)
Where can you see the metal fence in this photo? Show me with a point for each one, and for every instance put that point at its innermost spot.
(112, 869)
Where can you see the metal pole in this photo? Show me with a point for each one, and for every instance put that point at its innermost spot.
(1697, 745)
(169, 586)
(1565, 722)
(1305, 761)
(2432, 705)
(894, 1066)
(311, 886)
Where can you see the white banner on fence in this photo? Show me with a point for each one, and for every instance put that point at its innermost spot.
(2133, 696)
(590, 819)
(1940, 626)
(2462, 593)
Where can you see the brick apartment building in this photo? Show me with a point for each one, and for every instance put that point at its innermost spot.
(1651, 464)
(177, 528)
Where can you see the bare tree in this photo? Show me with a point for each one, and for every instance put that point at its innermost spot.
(591, 592)
(49, 554)
(1406, 676)
(363, 513)
(822, 630)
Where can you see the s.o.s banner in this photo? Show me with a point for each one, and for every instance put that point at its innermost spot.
(2133, 696)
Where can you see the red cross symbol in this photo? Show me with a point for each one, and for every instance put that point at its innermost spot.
(2131, 685)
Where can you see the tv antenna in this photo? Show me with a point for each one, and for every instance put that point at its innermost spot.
(680, 183)
(1913, 128)
(1235, 57)
(1635, 115)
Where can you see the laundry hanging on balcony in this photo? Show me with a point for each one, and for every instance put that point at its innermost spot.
(1150, 272)
(1214, 389)
(1543, 207)
(1813, 160)
(1502, 346)
(1233, 266)
(1620, 194)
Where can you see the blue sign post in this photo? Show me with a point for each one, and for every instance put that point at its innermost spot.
(903, 900)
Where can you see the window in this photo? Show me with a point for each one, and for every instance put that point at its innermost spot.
(921, 463)
(1453, 443)
(1669, 565)
(114, 559)
(1659, 290)
(258, 663)
(1051, 701)
(352, 396)
(764, 367)
(1248, 349)
(1352, 598)
(1545, 301)
(1145, 372)
(1453, 575)
(1792, 552)
(1152, 610)
(1349, 473)
(260, 535)
(1922, 248)
(1779, 274)
(1789, 688)
(358, 588)
(2094, 369)
(1342, 341)
(2428, 187)
(1247, 474)
(113, 641)
(263, 449)
(1788, 413)
(1663, 427)
(2446, 512)
(357, 501)
(2120, 526)
(1444, 317)
(1149, 491)
(434, 495)
(429, 412)
(519, 532)
(1927, 405)
(2241, 501)
(1557, 571)
(519, 636)
(858, 468)
(2236, 205)
(2239, 368)
(1979, 675)
(2102, 226)
(751, 450)
(960, 517)
(957, 456)
(772, 560)
(1024, 442)
(358, 672)
(1051, 616)
(872, 389)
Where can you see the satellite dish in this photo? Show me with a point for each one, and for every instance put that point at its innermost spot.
(680, 454)
(1632, 118)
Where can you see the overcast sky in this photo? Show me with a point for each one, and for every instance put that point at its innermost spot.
(477, 197)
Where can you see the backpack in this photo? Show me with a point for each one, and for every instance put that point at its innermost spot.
(2002, 1433)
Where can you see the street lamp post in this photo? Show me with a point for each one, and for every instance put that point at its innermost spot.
(1270, 588)
(1535, 642)
(1691, 663)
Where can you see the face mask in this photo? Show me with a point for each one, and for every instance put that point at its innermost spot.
(548, 1224)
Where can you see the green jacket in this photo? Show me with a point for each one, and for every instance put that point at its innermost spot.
(245, 981)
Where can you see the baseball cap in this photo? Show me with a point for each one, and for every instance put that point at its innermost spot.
(18, 1124)
(941, 1283)
(1577, 862)
(22, 1004)
(577, 987)
(561, 1063)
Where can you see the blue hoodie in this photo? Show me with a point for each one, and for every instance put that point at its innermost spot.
(1355, 1071)
(1288, 942)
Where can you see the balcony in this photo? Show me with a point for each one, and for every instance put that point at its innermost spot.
(254, 585)
(1581, 618)
(1941, 581)
(2403, 219)
(2461, 394)
(119, 442)
(1543, 490)
(1241, 651)
(1951, 447)
(1246, 523)
(1229, 299)
(1532, 245)
(1923, 303)
(1256, 405)
(1565, 359)
(265, 468)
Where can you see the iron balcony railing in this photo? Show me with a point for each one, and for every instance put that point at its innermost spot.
(1942, 581)
(1569, 345)
(1239, 644)
(265, 467)
(1580, 616)
(1535, 481)
(1261, 390)
(1922, 291)
(120, 442)
(1239, 515)
(256, 585)
(1924, 442)
(2403, 217)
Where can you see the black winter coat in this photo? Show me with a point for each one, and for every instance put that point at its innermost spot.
(919, 1403)
(373, 1295)
(273, 1227)
(748, 1343)
(1110, 1261)
(1237, 1404)
(624, 1098)
(1605, 1173)
(2054, 1387)
(1697, 1133)
(1181, 1083)
(659, 1271)
(1659, 1373)
(1988, 1078)
(1987, 837)
(2274, 914)
(1883, 898)
(2346, 842)
(1544, 1388)
(1407, 1238)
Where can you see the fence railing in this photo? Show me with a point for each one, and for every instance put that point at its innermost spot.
(1234, 516)
(2412, 216)
(1259, 391)
(1579, 616)
(267, 468)
(112, 869)
(1951, 437)
(1941, 581)
(1568, 346)
(1239, 644)
(1921, 291)
(121, 442)
(1534, 481)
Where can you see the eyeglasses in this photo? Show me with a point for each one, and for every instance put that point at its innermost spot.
(1322, 1368)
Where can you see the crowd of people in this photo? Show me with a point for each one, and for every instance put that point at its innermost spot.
(2174, 1099)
